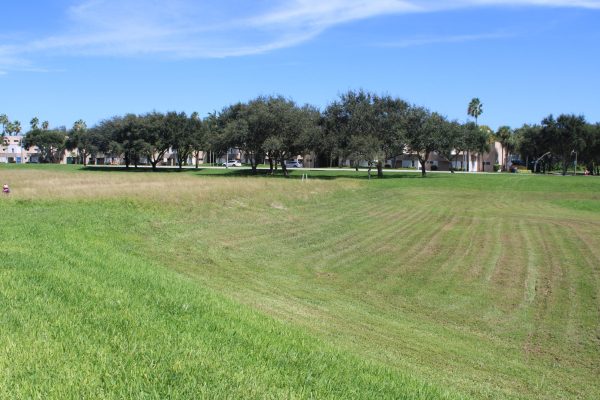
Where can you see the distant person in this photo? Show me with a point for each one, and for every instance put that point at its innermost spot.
(5, 189)
(586, 172)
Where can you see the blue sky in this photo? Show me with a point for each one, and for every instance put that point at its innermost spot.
(62, 60)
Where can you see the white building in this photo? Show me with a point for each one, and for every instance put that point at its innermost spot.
(12, 151)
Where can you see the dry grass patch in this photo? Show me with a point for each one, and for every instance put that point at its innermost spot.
(164, 188)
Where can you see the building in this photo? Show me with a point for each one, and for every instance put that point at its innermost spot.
(12, 151)
(459, 161)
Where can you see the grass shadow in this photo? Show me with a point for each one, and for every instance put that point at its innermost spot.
(264, 173)
(139, 169)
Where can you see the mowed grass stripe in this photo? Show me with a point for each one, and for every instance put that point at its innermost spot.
(582, 274)
(554, 297)
(282, 305)
(590, 285)
(533, 261)
(89, 321)
(366, 247)
(509, 278)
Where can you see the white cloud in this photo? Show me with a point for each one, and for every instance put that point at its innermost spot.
(548, 3)
(9, 59)
(326, 13)
(190, 29)
(425, 40)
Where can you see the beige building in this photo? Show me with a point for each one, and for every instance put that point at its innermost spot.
(12, 151)
(461, 161)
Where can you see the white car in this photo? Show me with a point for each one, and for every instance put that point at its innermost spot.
(293, 164)
(232, 163)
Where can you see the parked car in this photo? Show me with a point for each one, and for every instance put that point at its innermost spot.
(293, 164)
(232, 163)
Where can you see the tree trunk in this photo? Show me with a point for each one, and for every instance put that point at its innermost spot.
(423, 161)
(283, 167)
(379, 169)
(270, 166)
(153, 162)
(253, 165)
(468, 161)
(197, 155)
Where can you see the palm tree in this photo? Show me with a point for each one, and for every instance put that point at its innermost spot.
(45, 125)
(34, 123)
(79, 125)
(17, 127)
(78, 141)
(9, 129)
(4, 121)
(489, 134)
(476, 140)
(475, 108)
(504, 136)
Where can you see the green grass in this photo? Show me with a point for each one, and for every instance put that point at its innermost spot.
(194, 285)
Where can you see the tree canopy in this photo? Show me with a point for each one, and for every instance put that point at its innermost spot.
(357, 128)
(51, 143)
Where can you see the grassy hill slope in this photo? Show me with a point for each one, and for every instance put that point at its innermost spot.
(178, 285)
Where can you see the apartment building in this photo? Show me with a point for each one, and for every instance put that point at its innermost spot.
(12, 151)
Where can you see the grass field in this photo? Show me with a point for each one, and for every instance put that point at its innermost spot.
(211, 284)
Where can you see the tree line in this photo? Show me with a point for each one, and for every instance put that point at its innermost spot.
(359, 127)
(555, 143)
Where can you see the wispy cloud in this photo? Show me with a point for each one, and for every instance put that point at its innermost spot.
(10, 60)
(190, 29)
(426, 40)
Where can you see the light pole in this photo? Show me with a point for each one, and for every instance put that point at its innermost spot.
(536, 162)
(575, 163)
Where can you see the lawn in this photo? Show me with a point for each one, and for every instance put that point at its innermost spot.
(213, 283)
